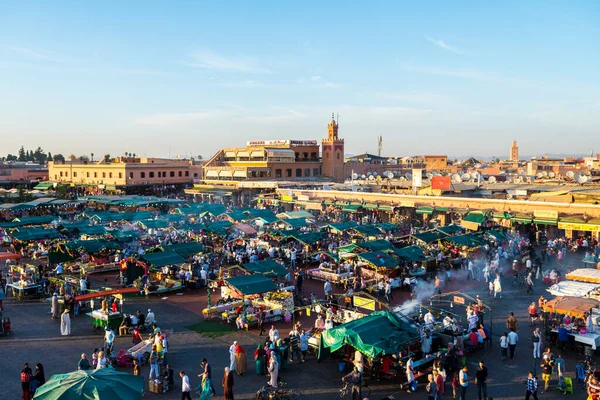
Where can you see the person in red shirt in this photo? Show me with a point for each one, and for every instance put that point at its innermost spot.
(114, 306)
(533, 313)
(439, 381)
(137, 335)
(473, 338)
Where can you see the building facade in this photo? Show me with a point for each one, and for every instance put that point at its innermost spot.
(21, 173)
(121, 172)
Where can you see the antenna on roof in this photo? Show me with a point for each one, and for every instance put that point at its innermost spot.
(379, 145)
(338, 118)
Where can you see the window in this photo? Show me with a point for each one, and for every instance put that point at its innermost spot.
(315, 171)
(195, 174)
(305, 156)
(142, 174)
(110, 174)
(172, 174)
(87, 174)
(298, 172)
(95, 174)
(338, 155)
(120, 175)
(327, 155)
(187, 173)
(182, 174)
(297, 156)
(288, 172)
(61, 173)
(277, 173)
(313, 156)
(131, 175)
(66, 174)
(151, 174)
(307, 172)
(164, 174)
(104, 174)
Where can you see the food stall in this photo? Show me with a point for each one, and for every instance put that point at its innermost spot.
(575, 289)
(100, 318)
(22, 281)
(576, 308)
(263, 295)
(585, 275)
(330, 273)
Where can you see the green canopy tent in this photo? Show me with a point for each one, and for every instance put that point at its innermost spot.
(93, 230)
(308, 238)
(469, 240)
(376, 245)
(268, 267)
(473, 220)
(219, 227)
(237, 215)
(174, 218)
(105, 383)
(379, 333)
(424, 210)
(32, 234)
(497, 235)
(185, 250)
(125, 236)
(267, 216)
(91, 246)
(379, 259)
(154, 224)
(28, 221)
(429, 237)
(161, 259)
(251, 284)
(295, 223)
(386, 226)
(351, 248)
(410, 253)
(367, 230)
(352, 208)
(451, 229)
(341, 227)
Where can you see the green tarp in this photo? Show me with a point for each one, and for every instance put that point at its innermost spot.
(379, 259)
(429, 236)
(342, 226)
(545, 221)
(237, 215)
(185, 250)
(105, 383)
(351, 208)
(163, 259)
(125, 236)
(92, 230)
(174, 217)
(107, 216)
(367, 230)
(295, 223)
(43, 186)
(219, 227)
(377, 334)
(474, 217)
(410, 253)
(502, 215)
(268, 267)
(308, 238)
(425, 210)
(267, 216)
(468, 240)
(526, 219)
(32, 234)
(90, 246)
(376, 245)
(351, 248)
(497, 235)
(451, 229)
(386, 226)
(252, 284)
(28, 221)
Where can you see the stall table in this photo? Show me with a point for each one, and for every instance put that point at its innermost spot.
(100, 320)
(25, 292)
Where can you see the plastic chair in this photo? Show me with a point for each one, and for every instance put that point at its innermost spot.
(580, 374)
(568, 385)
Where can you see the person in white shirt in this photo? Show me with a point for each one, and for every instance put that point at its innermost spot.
(429, 320)
(83, 285)
(327, 288)
(328, 324)
(203, 276)
(410, 376)
(232, 356)
(504, 345)
(185, 386)
(150, 318)
(273, 334)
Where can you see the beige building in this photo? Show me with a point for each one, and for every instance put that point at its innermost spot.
(123, 172)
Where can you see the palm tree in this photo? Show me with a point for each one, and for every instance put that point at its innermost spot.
(92, 156)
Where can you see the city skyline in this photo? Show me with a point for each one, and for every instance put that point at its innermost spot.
(430, 78)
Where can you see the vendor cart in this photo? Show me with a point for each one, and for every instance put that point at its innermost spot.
(30, 291)
(101, 320)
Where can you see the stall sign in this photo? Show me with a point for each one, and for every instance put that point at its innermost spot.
(459, 300)
(407, 204)
(578, 227)
(287, 198)
(364, 302)
(545, 214)
(303, 197)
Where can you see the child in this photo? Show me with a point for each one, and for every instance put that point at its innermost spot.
(454, 384)
(561, 384)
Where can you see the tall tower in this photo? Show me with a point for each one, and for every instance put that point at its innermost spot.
(332, 164)
(514, 151)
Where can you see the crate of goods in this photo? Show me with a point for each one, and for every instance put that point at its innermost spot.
(155, 387)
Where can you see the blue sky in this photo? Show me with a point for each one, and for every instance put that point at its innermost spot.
(186, 78)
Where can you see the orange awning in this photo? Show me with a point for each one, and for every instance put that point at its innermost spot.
(574, 306)
(106, 293)
(9, 256)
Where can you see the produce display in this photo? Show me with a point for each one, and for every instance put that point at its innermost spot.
(330, 275)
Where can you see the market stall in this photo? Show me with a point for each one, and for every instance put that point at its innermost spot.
(102, 319)
(585, 275)
(575, 289)
(576, 308)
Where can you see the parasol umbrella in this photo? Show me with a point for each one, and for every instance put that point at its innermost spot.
(106, 383)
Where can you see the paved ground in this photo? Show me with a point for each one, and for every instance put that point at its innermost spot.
(37, 339)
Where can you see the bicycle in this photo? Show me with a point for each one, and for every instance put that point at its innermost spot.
(347, 390)
(268, 392)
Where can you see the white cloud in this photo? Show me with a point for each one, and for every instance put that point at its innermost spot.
(319, 82)
(208, 59)
(440, 43)
(462, 73)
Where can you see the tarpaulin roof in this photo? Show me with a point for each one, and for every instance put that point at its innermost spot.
(295, 214)
(105, 383)
(125, 236)
(25, 221)
(308, 238)
(163, 259)
(376, 258)
(92, 230)
(410, 253)
(245, 228)
(351, 208)
(266, 215)
(497, 235)
(124, 216)
(342, 226)
(424, 210)
(268, 267)
(43, 186)
(387, 226)
(367, 230)
(575, 306)
(469, 240)
(451, 229)
(185, 249)
(237, 215)
(30, 234)
(375, 245)
(475, 217)
(174, 217)
(295, 222)
(219, 227)
(379, 333)
(91, 246)
(429, 236)
(351, 248)
(252, 284)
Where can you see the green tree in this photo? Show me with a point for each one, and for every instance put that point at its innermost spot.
(39, 155)
(58, 158)
(50, 157)
(106, 157)
(10, 157)
(92, 156)
(84, 158)
(22, 154)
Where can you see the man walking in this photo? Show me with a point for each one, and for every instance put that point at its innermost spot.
(532, 386)
(463, 380)
(185, 386)
(207, 371)
(513, 338)
(529, 281)
(480, 378)
(511, 322)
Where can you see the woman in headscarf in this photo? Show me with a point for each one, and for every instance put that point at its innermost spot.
(38, 378)
(204, 388)
(273, 372)
(65, 323)
(227, 385)
(260, 357)
(54, 306)
(241, 361)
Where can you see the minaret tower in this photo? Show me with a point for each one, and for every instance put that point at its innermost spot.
(333, 152)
